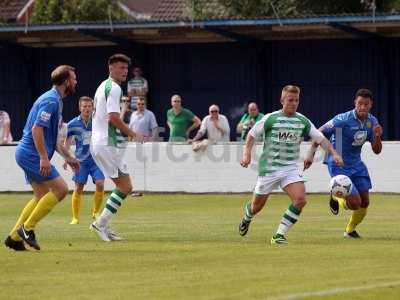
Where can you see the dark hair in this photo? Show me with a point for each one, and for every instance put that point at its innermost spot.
(365, 93)
(119, 58)
(85, 99)
(60, 74)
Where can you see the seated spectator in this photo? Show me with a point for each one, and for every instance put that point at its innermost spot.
(181, 121)
(247, 121)
(5, 131)
(137, 87)
(215, 125)
(126, 110)
(144, 121)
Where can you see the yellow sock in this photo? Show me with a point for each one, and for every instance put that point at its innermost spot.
(45, 205)
(356, 218)
(76, 205)
(342, 202)
(97, 201)
(26, 212)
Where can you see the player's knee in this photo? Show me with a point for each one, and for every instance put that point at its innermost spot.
(353, 203)
(100, 186)
(61, 192)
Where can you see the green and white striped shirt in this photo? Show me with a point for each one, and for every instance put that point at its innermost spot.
(106, 100)
(282, 137)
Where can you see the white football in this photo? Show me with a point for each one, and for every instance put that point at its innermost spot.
(341, 185)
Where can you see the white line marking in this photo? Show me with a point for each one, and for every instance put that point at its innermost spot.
(335, 291)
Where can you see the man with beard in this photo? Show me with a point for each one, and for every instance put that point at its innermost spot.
(33, 155)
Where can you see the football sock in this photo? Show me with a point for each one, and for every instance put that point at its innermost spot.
(289, 218)
(356, 218)
(112, 205)
(248, 214)
(76, 205)
(97, 200)
(341, 201)
(26, 212)
(45, 205)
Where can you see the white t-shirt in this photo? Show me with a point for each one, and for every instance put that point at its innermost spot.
(214, 134)
(106, 100)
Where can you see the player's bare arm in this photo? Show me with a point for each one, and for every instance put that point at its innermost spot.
(377, 143)
(246, 159)
(67, 155)
(38, 139)
(196, 124)
(115, 119)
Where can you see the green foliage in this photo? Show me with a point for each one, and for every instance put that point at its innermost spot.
(59, 11)
(202, 9)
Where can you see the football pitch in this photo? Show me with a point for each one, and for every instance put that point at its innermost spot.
(181, 246)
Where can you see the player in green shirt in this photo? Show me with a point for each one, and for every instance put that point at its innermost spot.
(181, 121)
(282, 131)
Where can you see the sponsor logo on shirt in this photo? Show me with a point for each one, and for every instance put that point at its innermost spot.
(359, 138)
(287, 136)
(45, 116)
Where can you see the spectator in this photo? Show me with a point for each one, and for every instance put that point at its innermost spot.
(143, 121)
(248, 120)
(181, 121)
(5, 133)
(137, 87)
(126, 110)
(215, 125)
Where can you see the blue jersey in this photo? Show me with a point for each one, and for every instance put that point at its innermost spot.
(46, 113)
(348, 134)
(82, 133)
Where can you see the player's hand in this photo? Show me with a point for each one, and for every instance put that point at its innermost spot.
(378, 130)
(338, 160)
(73, 163)
(45, 167)
(246, 160)
(307, 163)
(139, 138)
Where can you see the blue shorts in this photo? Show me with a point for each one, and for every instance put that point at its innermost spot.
(358, 173)
(87, 169)
(30, 164)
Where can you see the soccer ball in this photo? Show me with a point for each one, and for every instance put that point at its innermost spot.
(341, 186)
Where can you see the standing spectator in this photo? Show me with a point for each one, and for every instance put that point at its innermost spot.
(181, 121)
(143, 121)
(5, 133)
(137, 86)
(215, 125)
(247, 121)
(126, 110)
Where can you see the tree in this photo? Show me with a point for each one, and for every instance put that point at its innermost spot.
(60, 11)
(201, 9)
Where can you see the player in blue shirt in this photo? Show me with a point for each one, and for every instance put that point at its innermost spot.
(33, 155)
(80, 132)
(348, 132)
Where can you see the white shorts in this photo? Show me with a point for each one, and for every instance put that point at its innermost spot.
(265, 184)
(110, 160)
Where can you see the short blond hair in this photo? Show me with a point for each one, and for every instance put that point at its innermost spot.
(290, 89)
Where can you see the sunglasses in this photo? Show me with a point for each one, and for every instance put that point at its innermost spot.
(214, 111)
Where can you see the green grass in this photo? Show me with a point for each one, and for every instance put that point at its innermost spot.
(187, 247)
